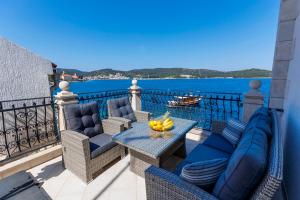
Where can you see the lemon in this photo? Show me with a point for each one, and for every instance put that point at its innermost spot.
(150, 123)
(159, 126)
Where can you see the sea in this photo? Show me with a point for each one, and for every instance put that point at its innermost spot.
(199, 113)
(222, 85)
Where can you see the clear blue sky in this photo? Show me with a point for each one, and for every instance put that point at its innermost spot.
(127, 34)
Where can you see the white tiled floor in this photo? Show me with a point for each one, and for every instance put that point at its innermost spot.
(117, 182)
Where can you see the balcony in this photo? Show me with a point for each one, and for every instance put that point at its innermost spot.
(30, 138)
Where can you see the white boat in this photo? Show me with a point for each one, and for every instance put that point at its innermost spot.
(181, 101)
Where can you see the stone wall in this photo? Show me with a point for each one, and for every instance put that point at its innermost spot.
(284, 51)
(285, 90)
(22, 73)
(291, 115)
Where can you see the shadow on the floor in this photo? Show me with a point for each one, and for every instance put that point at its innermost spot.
(49, 171)
(111, 182)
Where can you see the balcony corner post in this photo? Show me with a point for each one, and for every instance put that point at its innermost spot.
(135, 92)
(63, 98)
(253, 99)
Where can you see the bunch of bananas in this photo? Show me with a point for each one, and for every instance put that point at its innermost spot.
(161, 125)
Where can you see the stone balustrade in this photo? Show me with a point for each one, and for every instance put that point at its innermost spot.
(253, 99)
(135, 91)
(63, 98)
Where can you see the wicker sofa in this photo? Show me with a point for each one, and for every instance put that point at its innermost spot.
(87, 143)
(120, 110)
(163, 185)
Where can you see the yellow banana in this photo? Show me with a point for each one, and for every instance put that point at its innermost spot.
(169, 123)
(168, 120)
(159, 125)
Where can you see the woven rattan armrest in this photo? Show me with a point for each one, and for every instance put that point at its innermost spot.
(74, 136)
(164, 185)
(112, 126)
(75, 144)
(218, 126)
(124, 121)
(142, 116)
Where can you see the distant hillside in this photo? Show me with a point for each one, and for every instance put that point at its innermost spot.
(174, 73)
(70, 71)
(250, 73)
(103, 72)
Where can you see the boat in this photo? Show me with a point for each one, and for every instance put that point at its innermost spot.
(180, 101)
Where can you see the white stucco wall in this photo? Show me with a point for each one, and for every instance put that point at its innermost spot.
(22, 73)
(291, 119)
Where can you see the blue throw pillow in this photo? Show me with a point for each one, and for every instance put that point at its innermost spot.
(204, 173)
(233, 130)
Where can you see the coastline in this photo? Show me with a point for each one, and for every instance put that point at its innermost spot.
(145, 79)
(231, 85)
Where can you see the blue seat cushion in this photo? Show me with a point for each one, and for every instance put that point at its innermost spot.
(217, 141)
(121, 107)
(245, 168)
(83, 118)
(200, 153)
(100, 144)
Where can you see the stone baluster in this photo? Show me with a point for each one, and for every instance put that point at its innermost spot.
(252, 100)
(63, 98)
(135, 91)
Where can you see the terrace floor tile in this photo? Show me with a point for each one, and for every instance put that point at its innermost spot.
(117, 182)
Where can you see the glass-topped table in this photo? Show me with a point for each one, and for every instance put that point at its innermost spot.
(148, 147)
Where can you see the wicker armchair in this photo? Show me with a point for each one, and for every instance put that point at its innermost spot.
(120, 110)
(85, 154)
(164, 185)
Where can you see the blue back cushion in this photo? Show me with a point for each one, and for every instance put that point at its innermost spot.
(217, 141)
(246, 167)
(261, 119)
(121, 107)
(83, 118)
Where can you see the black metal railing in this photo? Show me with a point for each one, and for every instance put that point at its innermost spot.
(210, 105)
(101, 97)
(198, 106)
(30, 124)
(26, 125)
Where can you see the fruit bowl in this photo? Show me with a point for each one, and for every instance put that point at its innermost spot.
(161, 125)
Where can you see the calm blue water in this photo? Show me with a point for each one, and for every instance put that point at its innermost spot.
(240, 85)
(157, 104)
